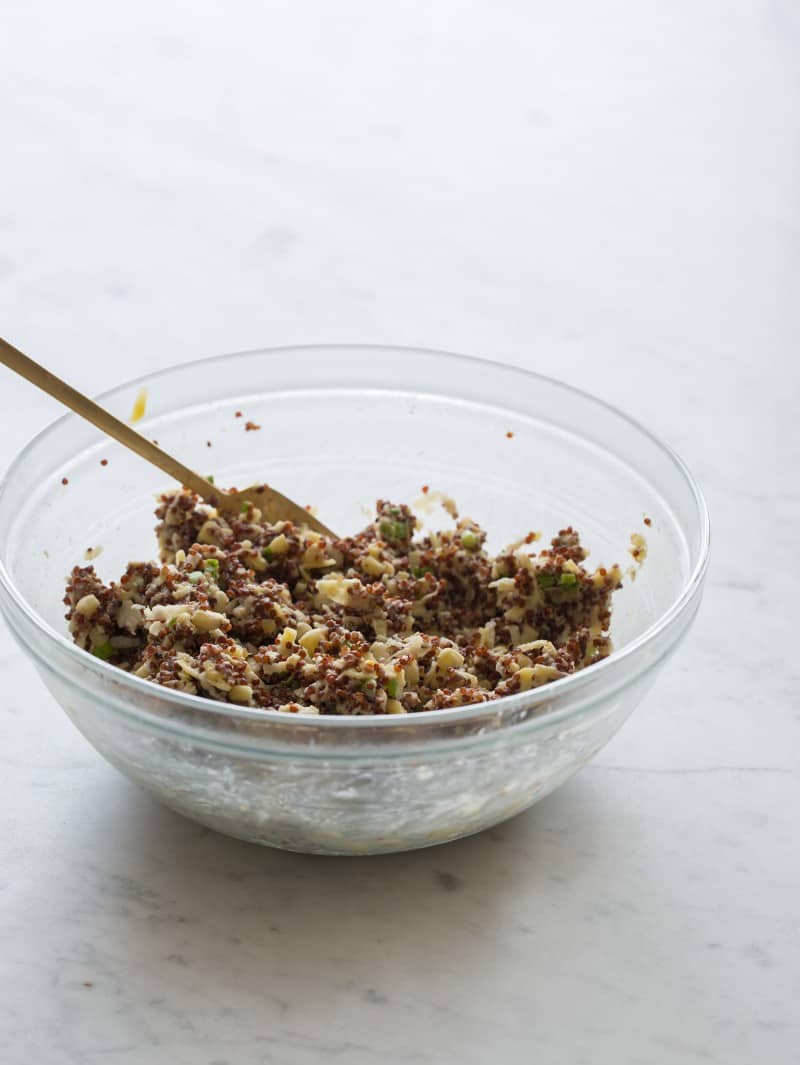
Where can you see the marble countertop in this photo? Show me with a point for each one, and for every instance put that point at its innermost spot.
(610, 197)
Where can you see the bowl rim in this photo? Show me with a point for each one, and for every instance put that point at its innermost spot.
(531, 699)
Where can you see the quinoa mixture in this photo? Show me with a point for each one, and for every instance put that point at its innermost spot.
(383, 622)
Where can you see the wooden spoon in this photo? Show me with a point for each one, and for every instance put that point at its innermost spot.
(273, 506)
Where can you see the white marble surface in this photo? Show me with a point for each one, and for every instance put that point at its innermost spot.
(605, 192)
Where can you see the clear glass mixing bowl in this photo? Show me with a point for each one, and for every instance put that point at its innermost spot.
(342, 426)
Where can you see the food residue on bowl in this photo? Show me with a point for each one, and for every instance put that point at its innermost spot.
(389, 621)
(139, 406)
(638, 552)
(427, 502)
(638, 548)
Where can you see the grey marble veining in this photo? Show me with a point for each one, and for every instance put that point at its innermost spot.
(608, 194)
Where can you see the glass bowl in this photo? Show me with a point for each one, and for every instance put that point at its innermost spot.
(340, 427)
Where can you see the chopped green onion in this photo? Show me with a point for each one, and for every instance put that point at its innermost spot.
(394, 530)
(211, 567)
(470, 540)
(104, 651)
(420, 571)
(173, 621)
(393, 688)
(210, 478)
(195, 576)
(245, 506)
(267, 554)
(565, 581)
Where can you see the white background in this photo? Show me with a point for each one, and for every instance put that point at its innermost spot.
(605, 192)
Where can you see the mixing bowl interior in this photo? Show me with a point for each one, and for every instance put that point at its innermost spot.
(343, 426)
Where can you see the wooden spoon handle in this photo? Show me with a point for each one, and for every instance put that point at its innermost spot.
(93, 412)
